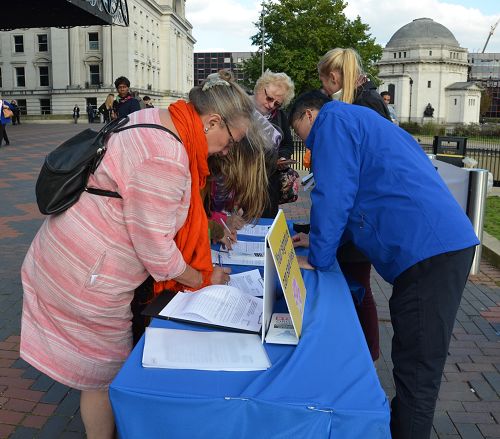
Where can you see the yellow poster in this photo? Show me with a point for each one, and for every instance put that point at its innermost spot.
(287, 266)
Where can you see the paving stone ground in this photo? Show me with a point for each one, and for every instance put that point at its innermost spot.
(34, 406)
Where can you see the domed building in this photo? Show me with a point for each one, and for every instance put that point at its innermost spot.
(425, 71)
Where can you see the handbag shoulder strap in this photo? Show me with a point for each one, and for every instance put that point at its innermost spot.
(147, 125)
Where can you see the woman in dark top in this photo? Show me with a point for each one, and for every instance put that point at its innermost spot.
(343, 79)
(272, 92)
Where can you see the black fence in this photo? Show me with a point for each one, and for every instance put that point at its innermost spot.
(485, 150)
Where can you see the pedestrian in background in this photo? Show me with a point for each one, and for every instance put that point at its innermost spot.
(125, 104)
(6, 114)
(148, 102)
(16, 120)
(387, 101)
(76, 113)
(90, 112)
(106, 109)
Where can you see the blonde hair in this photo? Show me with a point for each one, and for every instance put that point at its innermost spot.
(244, 167)
(108, 103)
(281, 80)
(348, 63)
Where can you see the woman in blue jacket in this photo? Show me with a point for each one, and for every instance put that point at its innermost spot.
(376, 186)
(4, 121)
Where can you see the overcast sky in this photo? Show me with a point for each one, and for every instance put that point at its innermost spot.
(227, 25)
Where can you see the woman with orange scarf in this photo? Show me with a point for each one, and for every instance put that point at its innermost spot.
(82, 268)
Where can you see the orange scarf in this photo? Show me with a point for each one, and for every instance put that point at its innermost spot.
(192, 238)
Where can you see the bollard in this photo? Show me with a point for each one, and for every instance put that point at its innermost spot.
(478, 186)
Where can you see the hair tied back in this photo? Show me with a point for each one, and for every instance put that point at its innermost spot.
(214, 80)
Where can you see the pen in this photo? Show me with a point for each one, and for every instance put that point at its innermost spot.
(227, 228)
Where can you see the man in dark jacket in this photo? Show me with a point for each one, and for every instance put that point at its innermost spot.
(126, 103)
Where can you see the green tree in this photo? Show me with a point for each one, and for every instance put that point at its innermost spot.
(298, 32)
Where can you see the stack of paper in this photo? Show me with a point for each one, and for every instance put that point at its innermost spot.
(281, 330)
(249, 282)
(179, 349)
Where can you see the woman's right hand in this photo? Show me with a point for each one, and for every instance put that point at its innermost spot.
(235, 221)
(300, 240)
(220, 275)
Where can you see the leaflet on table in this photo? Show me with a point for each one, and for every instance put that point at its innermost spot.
(281, 330)
(249, 282)
(230, 258)
(180, 349)
(218, 306)
(254, 230)
(246, 248)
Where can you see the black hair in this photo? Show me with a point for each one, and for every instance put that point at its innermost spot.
(385, 93)
(146, 98)
(310, 100)
(122, 80)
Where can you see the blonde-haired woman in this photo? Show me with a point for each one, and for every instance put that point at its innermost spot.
(342, 77)
(106, 109)
(272, 92)
(82, 267)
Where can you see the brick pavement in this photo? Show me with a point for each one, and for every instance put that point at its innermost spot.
(34, 406)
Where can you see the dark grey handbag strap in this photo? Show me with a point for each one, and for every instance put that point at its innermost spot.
(106, 193)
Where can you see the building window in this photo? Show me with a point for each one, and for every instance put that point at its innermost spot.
(404, 54)
(93, 41)
(44, 76)
(21, 103)
(18, 43)
(399, 54)
(95, 74)
(45, 106)
(472, 102)
(430, 52)
(20, 77)
(392, 92)
(43, 45)
(428, 84)
(455, 102)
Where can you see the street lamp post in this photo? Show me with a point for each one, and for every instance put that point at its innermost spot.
(262, 43)
(411, 91)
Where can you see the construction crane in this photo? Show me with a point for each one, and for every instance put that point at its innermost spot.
(490, 34)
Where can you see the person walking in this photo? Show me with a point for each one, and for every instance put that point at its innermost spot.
(90, 112)
(76, 322)
(76, 113)
(5, 119)
(16, 118)
(375, 185)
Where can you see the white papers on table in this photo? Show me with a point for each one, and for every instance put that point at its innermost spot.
(219, 305)
(247, 248)
(230, 258)
(281, 330)
(250, 282)
(180, 349)
(254, 230)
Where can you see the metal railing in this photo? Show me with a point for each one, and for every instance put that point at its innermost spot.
(485, 150)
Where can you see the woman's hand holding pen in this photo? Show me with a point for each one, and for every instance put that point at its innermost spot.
(236, 221)
(220, 275)
(230, 236)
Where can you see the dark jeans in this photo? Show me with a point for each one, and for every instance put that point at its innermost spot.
(423, 307)
(367, 309)
(3, 134)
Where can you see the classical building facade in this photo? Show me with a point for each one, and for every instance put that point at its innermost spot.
(424, 64)
(49, 70)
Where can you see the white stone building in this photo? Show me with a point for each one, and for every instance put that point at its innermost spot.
(424, 64)
(49, 70)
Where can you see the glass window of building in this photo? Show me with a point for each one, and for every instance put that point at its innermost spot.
(18, 43)
(93, 41)
(20, 77)
(21, 103)
(43, 44)
(45, 106)
(0, 77)
(95, 74)
(44, 76)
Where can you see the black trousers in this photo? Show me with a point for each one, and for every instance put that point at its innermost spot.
(3, 134)
(423, 307)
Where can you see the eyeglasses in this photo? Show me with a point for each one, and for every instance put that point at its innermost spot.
(271, 100)
(231, 138)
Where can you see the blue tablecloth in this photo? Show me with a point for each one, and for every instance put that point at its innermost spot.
(326, 387)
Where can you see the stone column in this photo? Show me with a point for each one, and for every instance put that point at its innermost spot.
(75, 58)
(107, 57)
